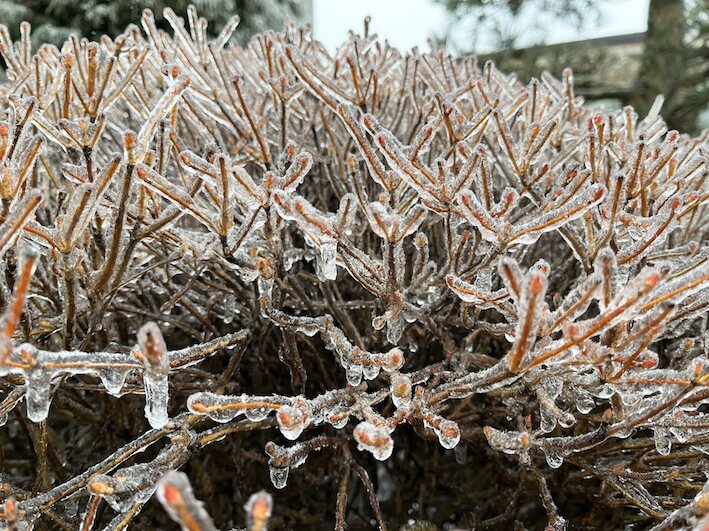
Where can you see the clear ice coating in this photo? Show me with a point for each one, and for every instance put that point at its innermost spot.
(374, 439)
(475, 161)
(509, 442)
(155, 360)
(136, 483)
(584, 401)
(338, 417)
(223, 408)
(127, 485)
(353, 374)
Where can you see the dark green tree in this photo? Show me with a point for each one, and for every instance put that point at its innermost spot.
(53, 20)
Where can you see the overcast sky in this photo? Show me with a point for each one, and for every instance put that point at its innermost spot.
(408, 23)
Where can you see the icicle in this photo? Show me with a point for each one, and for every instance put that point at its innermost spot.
(327, 269)
(38, 395)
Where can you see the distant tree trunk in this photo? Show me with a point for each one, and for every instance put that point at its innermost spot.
(663, 65)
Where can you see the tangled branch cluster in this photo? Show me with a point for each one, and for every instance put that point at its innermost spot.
(465, 301)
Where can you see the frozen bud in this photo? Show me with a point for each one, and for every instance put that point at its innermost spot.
(258, 511)
(176, 496)
(394, 360)
(100, 488)
(446, 430)
(448, 434)
(152, 344)
(338, 417)
(292, 420)
(400, 390)
(130, 142)
(374, 439)
(10, 509)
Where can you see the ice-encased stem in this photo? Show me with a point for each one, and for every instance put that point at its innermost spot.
(157, 367)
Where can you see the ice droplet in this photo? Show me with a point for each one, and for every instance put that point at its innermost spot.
(71, 507)
(461, 454)
(255, 414)
(370, 372)
(553, 456)
(279, 475)
(395, 329)
(547, 421)
(584, 401)
(353, 375)
(113, 380)
(229, 304)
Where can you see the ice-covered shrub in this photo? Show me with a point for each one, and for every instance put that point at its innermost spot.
(401, 285)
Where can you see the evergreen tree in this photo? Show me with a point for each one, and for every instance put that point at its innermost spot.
(54, 20)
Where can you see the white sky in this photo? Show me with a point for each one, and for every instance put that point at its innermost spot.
(408, 23)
